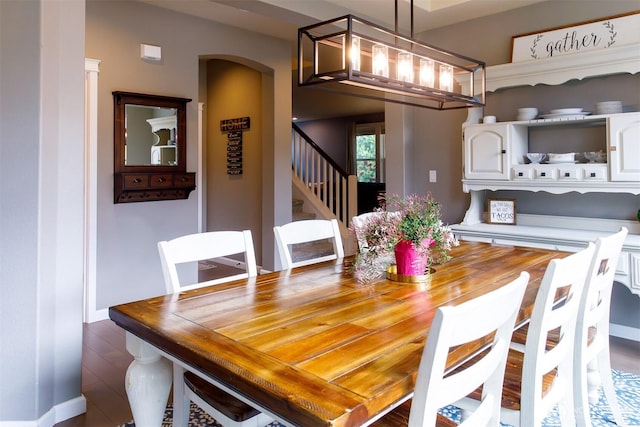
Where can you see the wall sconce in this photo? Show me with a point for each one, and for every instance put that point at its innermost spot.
(352, 56)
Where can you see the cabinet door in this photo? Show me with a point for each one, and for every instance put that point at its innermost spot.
(485, 148)
(624, 147)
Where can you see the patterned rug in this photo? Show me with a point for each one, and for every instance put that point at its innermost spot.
(627, 388)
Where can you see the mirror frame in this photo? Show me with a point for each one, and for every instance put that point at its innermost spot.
(120, 100)
(145, 183)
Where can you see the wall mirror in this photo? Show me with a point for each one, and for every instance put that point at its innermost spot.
(150, 148)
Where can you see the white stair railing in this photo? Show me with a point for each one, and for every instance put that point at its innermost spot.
(328, 188)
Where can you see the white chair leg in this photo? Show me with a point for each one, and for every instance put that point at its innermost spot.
(609, 389)
(181, 402)
(581, 390)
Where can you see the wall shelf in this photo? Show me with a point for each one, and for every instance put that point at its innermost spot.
(561, 69)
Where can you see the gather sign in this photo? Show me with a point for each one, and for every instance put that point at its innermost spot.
(602, 34)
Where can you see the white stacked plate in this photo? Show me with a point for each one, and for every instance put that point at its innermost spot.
(566, 113)
(609, 107)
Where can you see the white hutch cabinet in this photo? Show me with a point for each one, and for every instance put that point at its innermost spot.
(491, 149)
(624, 147)
(494, 157)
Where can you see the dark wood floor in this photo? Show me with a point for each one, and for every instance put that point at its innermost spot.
(105, 361)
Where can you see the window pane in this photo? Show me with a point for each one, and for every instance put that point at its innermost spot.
(369, 152)
(366, 147)
(366, 170)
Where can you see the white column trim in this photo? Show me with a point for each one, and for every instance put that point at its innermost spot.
(91, 67)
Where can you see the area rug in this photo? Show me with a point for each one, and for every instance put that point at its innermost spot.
(627, 388)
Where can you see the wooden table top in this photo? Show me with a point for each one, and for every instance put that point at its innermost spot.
(314, 346)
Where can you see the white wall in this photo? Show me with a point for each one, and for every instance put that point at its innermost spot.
(41, 190)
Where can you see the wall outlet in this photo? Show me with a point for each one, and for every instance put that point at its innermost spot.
(432, 176)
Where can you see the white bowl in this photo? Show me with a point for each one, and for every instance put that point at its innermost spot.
(529, 113)
(595, 156)
(561, 157)
(524, 118)
(536, 157)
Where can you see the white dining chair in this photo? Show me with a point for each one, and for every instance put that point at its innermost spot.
(313, 230)
(541, 377)
(453, 326)
(187, 386)
(192, 248)
(592, 365)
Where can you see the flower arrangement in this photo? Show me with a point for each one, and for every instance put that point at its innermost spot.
(414, 220)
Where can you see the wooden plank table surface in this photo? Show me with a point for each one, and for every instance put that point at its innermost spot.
(314, 347)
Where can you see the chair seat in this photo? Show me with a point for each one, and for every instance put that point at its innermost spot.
(228, 405)
(400, 417)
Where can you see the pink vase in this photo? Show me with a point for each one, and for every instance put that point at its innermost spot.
(409, 261)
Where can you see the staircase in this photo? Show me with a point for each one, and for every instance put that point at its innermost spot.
(297, 212)
(321, 182)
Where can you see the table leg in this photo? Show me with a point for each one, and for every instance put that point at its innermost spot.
(147, 382)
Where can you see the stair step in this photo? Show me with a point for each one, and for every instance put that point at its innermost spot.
(300, 216)
(296, 205)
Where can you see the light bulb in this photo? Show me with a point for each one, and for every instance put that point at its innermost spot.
(446, 78)
(355, 53)
(405, 67)
(427, 74)
(380, 63)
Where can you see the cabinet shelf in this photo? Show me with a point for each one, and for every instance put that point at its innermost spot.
(494, 157)
(551, 187)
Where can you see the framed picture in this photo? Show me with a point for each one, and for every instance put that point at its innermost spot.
(501, 211)
(603, 33)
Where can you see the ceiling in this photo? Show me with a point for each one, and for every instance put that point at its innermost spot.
(282, 18)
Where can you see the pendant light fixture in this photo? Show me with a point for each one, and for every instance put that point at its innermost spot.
(353, 56)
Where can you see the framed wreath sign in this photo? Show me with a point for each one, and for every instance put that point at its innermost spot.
(501, 211)
(604, 33)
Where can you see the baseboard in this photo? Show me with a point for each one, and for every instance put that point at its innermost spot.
(97, 316)
(61, 412)
(626, 332)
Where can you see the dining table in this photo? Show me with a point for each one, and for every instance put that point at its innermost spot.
(311, 346)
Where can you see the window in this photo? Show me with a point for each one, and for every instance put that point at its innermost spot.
(370, 152)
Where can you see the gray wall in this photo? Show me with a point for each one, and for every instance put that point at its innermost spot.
(128, 266)
(41, 191)
(434, 140)
(437, 135)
